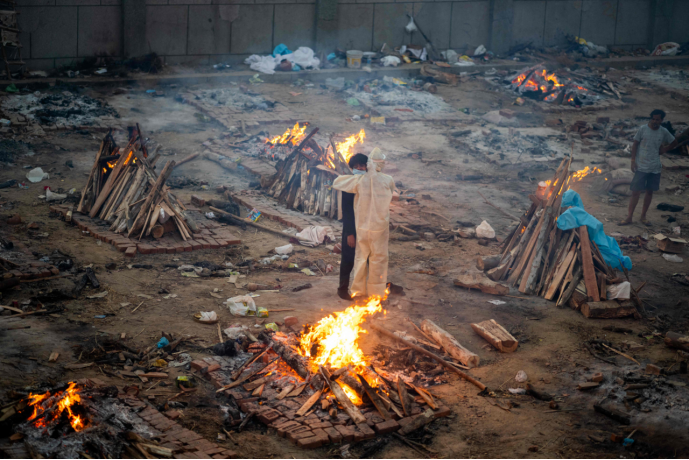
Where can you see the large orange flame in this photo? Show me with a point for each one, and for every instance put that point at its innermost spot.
(345, 148)
(58, 403)
(337, 336)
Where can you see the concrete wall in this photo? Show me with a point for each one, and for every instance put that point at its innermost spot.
(59, 32)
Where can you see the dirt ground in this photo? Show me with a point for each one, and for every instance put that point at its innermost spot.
(551, 349)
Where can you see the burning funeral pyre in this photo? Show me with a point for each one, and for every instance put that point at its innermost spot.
(124, 190)
(561, 87)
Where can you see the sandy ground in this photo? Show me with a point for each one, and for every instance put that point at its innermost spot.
(551, 349)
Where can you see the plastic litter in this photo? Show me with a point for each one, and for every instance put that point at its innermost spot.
(182, 360)
(306, 271)
(286, 249)
(12, 88)
(484, 230)
(101, 71)
(619, 291)
(276, 257)
(272, 327)
(335, 83)
(50, 196)
(254, 215)
(100, 316)
(242, 305)
(208, 316)
(673, 258)
(312, 236)
(666, 49)
(480, 50)
(163, 342)
(390, 61)
(37, 175)
(451, 57)
(497, 302)
(517, 391)
(465, 61)
(354, 102)
(281, 49)
(411, 26)
(521, 377)
(235, 332)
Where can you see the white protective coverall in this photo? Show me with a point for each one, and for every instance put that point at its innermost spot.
(373, 193)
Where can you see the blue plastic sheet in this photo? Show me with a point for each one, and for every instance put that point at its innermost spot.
(281, 49)
(163, 342)
(576, 216)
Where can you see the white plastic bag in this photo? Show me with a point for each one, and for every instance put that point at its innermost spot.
(286, 249)
(264, 64)
(50, 196)
(208, 316)
(619, 291)
(304, 57)
(411, 26)
(235, 332)
(480, 50)
(37, 175)
(666, 49)
(242, 305)
(521, 377)
(484, 230)
(451, 57)
(388, 61)
(672, 258)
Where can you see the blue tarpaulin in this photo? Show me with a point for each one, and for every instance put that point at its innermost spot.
(576, 216)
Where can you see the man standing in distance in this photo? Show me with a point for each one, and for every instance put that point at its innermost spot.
(646, 165)
(358, 165)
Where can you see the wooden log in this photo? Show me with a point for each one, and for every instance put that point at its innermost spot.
(375, 399)
(602, 284)
(438, 359)
(250, 223)
(675, 340)
(157, 231)
(405, 399)
(576, 300)
(450, 344)
(349, 407)
(426, 396)
(618, 416)
(532, 266)
(560, 272)
(477, 280)
(309, 403)
(608, 309)
(152, 196)
(496, 335)
(247, 363)
(285, 391)
(485, 263)
(298, 363)
(417, 422)
(587, 264)
(191, 157)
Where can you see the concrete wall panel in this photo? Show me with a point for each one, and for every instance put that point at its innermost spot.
(528, 24)
(679, 29)
(49, 32)
(435, 20)
(252, 31)
(355, 24)
(166, 29)
(598, 21)
(100, 31)
(389, 20)
(470, 25)
(209, 32)
(561, 18)
(295, 25)
(632, 22)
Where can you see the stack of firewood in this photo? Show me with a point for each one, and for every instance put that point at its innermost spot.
(304, 181)
(124, 190)
(541, 259)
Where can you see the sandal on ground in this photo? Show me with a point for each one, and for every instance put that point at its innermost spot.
(624, 222)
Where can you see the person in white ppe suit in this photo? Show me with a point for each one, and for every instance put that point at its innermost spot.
(373, 194)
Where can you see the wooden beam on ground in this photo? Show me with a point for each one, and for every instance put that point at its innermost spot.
(587, 262)
(496, 335)
(349, 407)
(450, 344)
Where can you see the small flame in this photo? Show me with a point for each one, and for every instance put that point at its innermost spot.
(42, 403)
(294, 136)
(351, 394)
(344, 148)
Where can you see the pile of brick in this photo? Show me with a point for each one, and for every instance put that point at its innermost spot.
(209, 236)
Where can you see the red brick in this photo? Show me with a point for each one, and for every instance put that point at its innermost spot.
(313, 426)
(214, 244)
(333, 434)
(198, 201)
(195, 245)
(145, 248)
(346, 432)
(213, 367)
(173, 414)
(198, 364)
(365, 430)
(285, 428)
(187, 246)
(269, 416)
(387, 427)
(130, 252)
(314, 441)
(205, 244)
(442, 411)
(507, 113)
(301, 432)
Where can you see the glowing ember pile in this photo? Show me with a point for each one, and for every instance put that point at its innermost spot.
(48, 409)
(537, 83)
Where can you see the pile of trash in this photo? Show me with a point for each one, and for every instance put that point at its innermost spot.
(239, 98)
(58, 108)
(283, 59)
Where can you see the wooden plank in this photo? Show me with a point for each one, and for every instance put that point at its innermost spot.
(356, 416)
(405, 399)
(560, 272)
(426, 397)
(587, 263)
(245, 378)
(536, 259)
(603, 285)
(285, 391)
(310, 402)
(375, 399)
(496, 335)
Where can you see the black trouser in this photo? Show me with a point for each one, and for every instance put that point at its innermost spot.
(347, 263)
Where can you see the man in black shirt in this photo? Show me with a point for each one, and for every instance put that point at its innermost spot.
(358, 164)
